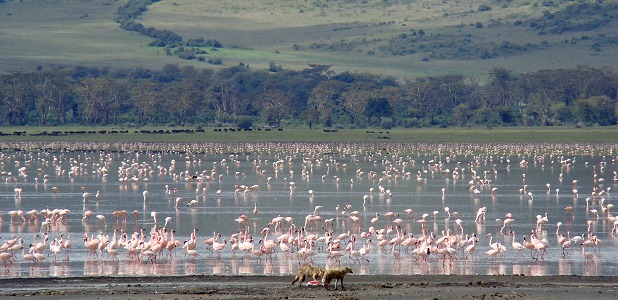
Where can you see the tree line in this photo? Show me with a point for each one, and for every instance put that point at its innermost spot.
(316, 96)
(128, 15)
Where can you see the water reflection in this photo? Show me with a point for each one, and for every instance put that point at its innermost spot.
(575, 190)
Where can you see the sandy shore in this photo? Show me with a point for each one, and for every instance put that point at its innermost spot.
(278, 287)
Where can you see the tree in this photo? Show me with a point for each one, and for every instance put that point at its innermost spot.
(501, 87)
(355, 101)
(538, 106)
(378, 108)
(62, 93)
(462, 114)
(310, 115)
(598, 109)
(392, 94)
(244, 122)
(322, 99)
(275, 106)
(100, 99)
(17, 96)
(318, 72)
(563, 113)
(146, 97)
(169, 73)
(219, 99)
(232, 96)
(42, 95)
(184, 95)
(430, 97)
(540, 92)
(183, 99)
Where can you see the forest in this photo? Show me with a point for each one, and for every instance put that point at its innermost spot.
(316, 96)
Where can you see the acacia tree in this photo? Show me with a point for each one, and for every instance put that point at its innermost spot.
(17, 95)
(503, 97)
(501, 87)
(275, 106)
(598, 109)
(100, 99)
(61, 89)
(540, 94)
(378, 108)
(42, 95)
(538, 107)
(310, 115)
(96, 96)
(146, 97)
(226, 96)
(219, 99)
(322, 100)
(183, 99)
(355, 101)
(52, 90)
(429, 98)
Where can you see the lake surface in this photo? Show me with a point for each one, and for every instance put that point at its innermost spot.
(279, 177)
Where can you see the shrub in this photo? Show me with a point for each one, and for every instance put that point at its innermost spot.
(244, 122)
(386, 123)
(215, 61)
(484, 7)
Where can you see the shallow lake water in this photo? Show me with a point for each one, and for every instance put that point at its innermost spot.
(279, 180)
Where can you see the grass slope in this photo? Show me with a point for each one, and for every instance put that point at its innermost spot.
(365, 36)
(69, 33)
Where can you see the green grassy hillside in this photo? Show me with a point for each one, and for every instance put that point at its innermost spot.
(403, 38)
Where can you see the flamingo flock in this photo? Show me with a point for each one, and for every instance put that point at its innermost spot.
(364, 228)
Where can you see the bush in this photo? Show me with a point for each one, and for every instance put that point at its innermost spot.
(410, 123)
(484, 7)
(244, 122)
(386, 123)
(201, 42)
(215, 61)
(186, 55)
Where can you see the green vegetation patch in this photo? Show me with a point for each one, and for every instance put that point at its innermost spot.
(455, 47)
(423, 135)
(469, 37)
(577, 18)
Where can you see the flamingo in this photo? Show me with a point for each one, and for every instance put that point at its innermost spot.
(154, 216)
(589, 257)
(470, 248)
(28, 256)
(565, 243)
(516, 245)
(211, 240)
(192, 253)
(219, 246)
(493, 252)
(507, 222)
(6, 258)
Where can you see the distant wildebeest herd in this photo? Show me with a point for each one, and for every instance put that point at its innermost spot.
(81, 132)
(159, 131)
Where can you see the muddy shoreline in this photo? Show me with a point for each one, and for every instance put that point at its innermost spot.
(279, 287)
